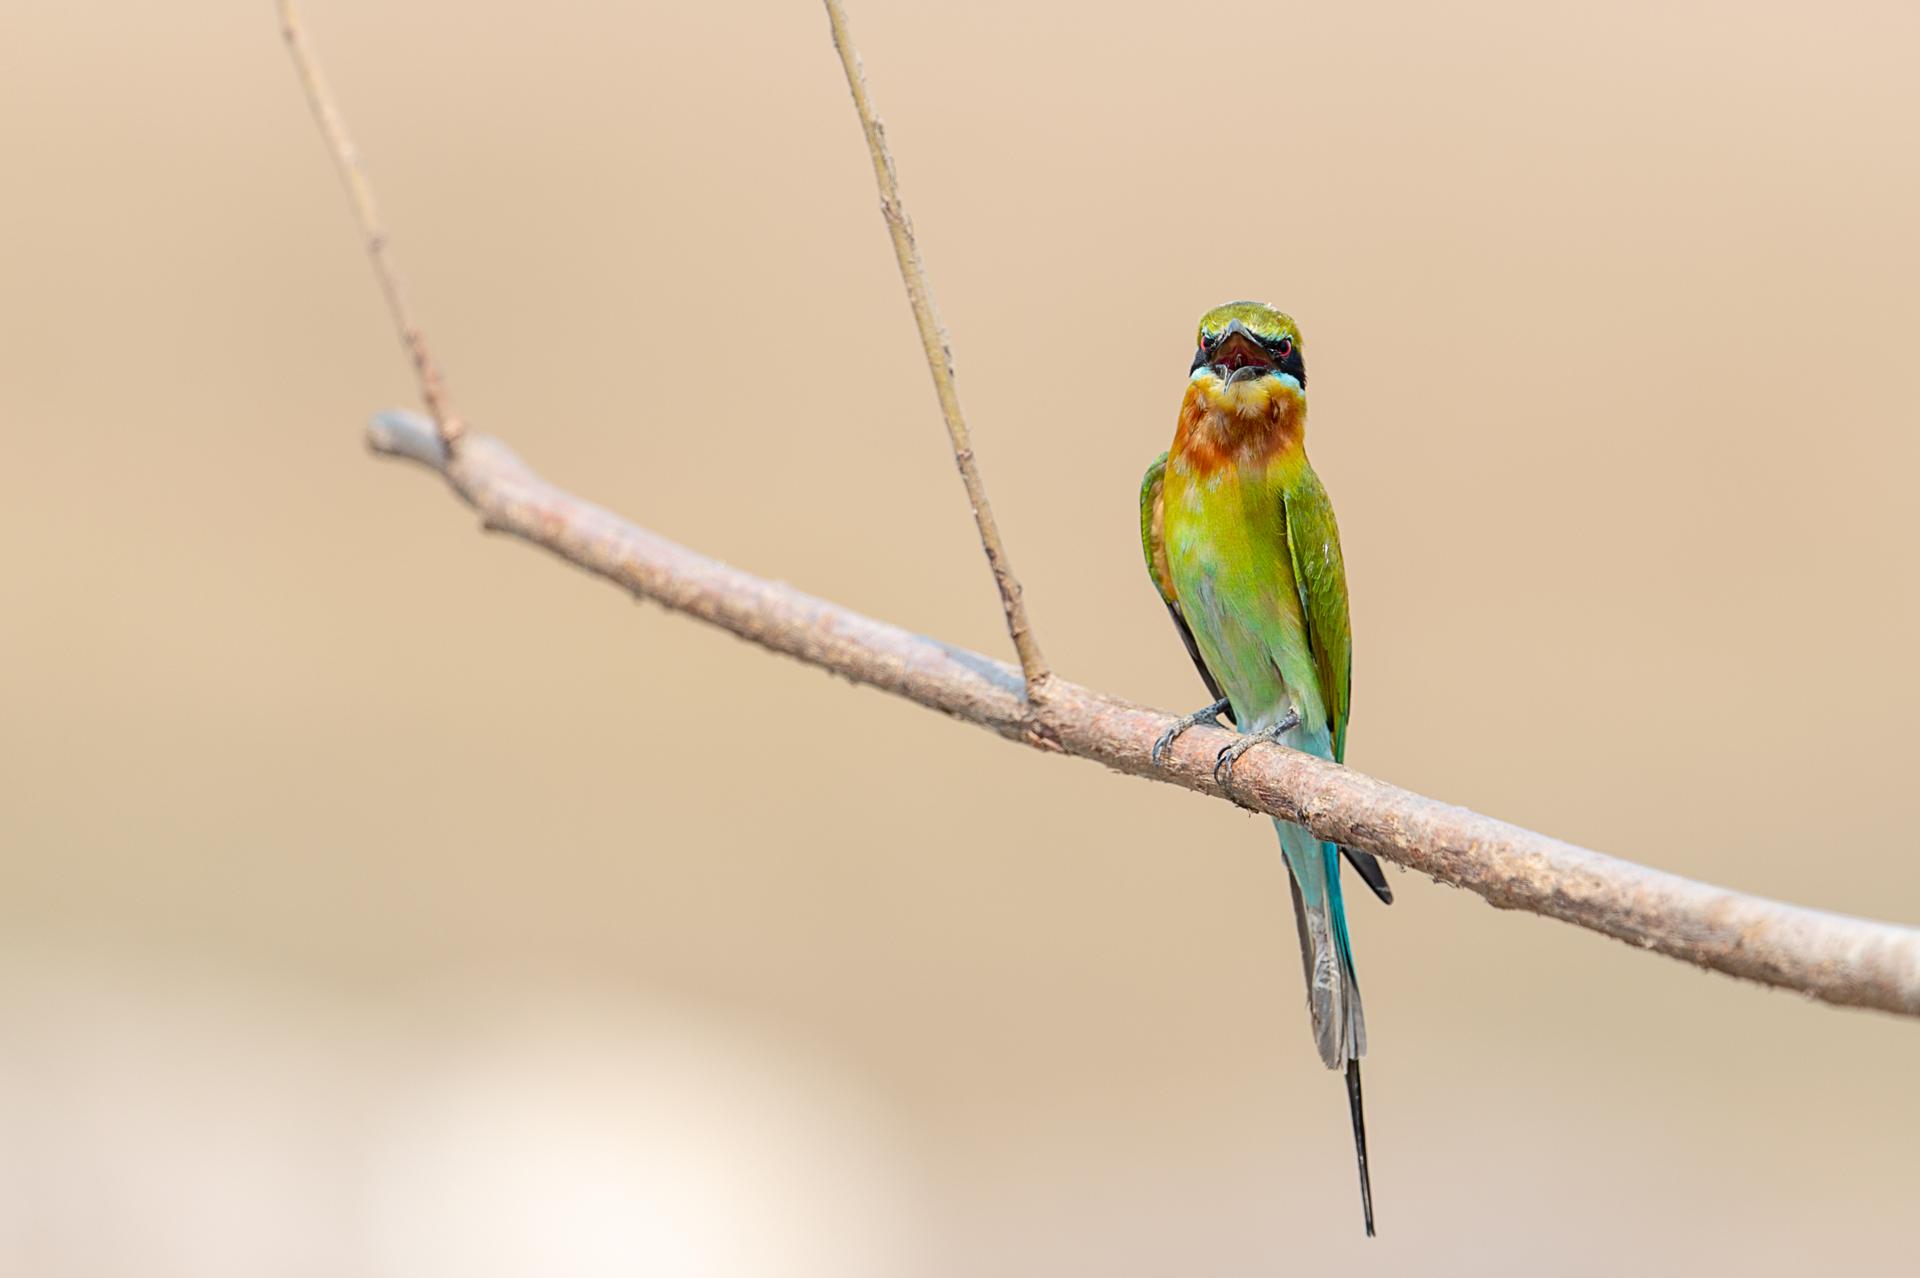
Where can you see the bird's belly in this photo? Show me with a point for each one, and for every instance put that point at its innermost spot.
(1232, 610)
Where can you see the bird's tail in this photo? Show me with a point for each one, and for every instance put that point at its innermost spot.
(1326, 954)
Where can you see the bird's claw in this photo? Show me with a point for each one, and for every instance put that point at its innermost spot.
(1224, 761)
(1208, 714)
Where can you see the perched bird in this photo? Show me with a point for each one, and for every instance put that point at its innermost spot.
(1240, 540)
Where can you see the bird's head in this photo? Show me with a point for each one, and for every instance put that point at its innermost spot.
(1249, 359)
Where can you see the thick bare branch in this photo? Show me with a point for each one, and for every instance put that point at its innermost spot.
(1828, 956)
(433, 388)
(933, 340)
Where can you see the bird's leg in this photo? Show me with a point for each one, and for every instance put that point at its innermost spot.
(1207, 714)
(1224, 761)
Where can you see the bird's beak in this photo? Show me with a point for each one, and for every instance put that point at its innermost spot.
(1236, 353)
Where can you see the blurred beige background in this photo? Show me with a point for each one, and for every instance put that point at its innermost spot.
(373, 896)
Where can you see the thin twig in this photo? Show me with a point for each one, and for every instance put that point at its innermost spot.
(933, 340)
(433, 387)
(1828, 956)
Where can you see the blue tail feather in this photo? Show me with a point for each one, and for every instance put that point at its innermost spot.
(1333, 991)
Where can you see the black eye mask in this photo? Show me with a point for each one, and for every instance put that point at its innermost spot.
(1294, 363)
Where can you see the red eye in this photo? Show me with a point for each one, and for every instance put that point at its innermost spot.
(1285, 348)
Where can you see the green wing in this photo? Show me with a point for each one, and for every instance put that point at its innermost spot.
(1313, 541)
(1320, 574)
(1153, 544)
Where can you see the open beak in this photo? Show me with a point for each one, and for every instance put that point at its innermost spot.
(1236, 354)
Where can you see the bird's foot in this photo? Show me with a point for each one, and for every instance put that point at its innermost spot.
(1208, 714)
(1224, 761)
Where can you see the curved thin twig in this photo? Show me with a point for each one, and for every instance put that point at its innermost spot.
(1832, 957)
(433, 387)
(933, 340)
